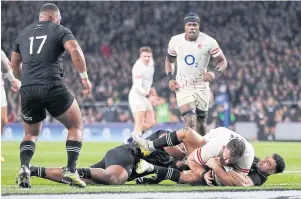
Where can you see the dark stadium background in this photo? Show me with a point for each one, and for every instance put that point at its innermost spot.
(261, 41)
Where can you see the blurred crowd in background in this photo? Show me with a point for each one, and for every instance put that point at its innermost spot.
(259, 39)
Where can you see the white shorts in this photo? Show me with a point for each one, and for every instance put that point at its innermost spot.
(200, 97)
(138, 102)
(3, 97)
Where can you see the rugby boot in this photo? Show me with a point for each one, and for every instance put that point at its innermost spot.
(143, 145)
(142, 166)
(23, 179)
(72, 178)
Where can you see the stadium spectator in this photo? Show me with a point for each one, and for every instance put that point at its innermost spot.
(263, 51)
(110, 112)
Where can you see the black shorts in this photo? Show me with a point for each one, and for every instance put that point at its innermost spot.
(121, 156)
(36, 99)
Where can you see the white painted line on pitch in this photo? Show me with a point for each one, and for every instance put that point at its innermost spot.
(292, 172)
(284, 184)
(174, 195)
(45, 188)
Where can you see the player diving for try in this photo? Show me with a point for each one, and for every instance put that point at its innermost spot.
(118, 170)
(222, 151)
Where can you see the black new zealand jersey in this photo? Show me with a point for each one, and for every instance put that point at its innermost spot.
(256, 176)
(158, 157)
(41, 46)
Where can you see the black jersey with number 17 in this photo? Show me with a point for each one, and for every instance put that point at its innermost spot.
(41, 46)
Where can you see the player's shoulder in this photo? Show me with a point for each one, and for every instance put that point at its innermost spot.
(178, 37)
(26, 29)
(3, 53)
(206, 36)
(138, 64)
(62, 28)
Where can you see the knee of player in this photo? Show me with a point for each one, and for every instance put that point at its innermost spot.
(115, 180)
(152, 122)
(190, 120)
(79, 126)
(3, 120)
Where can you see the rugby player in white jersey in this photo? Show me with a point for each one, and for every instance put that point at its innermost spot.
(15, 86)
(143, 96)
(235, 154)
(192, 51)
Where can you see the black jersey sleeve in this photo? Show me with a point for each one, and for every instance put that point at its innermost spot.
(66, 35)
(256, 179)
(16, 46)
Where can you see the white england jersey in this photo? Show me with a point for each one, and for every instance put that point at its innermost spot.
(3, 57)
(3, 100)
(144, 72)
(193, 58)
(216, 139)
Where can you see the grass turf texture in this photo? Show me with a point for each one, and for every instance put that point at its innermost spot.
(53, 154)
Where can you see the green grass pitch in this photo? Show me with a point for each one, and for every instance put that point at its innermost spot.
(53, 154)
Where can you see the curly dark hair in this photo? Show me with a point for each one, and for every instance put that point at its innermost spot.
(280, 164)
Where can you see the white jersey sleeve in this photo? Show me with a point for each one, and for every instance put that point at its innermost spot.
(172, 47)
(214, 48)
(216, 139)
(137, 72)
(244, 164)
(209, 150)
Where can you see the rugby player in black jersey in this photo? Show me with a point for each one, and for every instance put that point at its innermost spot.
(40, 48)
(118, 165)
(257, 176)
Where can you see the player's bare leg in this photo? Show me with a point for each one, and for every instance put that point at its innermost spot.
(27, 149)
(72, 120)
(201, 122)
(3, 123)
(113, 175)
(188, 136)
(188, 111)
(144, 120)
(150, 120)
(139, 118)
(187, 177)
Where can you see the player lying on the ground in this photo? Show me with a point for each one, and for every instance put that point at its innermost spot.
(257, 175)
(117, 166)
(233, 150)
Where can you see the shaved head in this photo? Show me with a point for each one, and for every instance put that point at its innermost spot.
(49, 7)
(50, 12)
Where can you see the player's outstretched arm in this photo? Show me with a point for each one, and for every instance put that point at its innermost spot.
(230, 178)
(79, 62)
